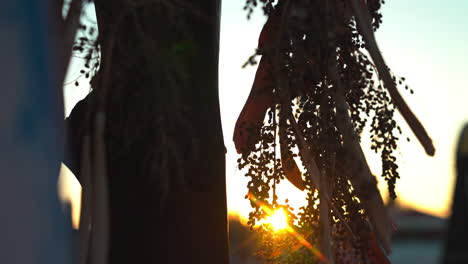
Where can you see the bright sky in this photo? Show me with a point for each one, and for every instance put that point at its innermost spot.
(422, 40)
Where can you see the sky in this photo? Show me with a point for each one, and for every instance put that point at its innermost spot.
(422, 40)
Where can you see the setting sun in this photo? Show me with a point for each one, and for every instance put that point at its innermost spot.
(278, 220)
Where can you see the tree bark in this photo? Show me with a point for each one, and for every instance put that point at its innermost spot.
(191, 225)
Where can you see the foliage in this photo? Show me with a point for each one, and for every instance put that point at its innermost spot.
(327, 85)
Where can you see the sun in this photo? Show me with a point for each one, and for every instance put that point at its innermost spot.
(277, 220)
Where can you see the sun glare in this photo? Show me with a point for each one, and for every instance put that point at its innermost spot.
(278, 220)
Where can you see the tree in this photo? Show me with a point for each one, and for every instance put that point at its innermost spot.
(150, 132)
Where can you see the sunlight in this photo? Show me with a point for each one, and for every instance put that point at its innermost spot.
(69, 191)
(277, 220)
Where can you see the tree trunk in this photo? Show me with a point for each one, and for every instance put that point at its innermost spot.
(188, 224)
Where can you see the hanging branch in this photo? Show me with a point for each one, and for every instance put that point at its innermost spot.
(363, 20)
(313, 170)
(289, 165)
(313, 64)
(283, 87)
(361, 176)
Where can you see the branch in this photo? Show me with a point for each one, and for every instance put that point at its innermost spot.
(363, 21)
(362, 178)
(314, 172)
(304, 151)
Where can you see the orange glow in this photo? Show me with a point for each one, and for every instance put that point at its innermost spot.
(278, 220)
(301, 239)
(69, 191)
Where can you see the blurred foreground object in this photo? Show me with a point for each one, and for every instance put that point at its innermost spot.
(456, 247)
(33, 227)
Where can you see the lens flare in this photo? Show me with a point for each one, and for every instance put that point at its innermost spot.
(290, 230)
(278, 220)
